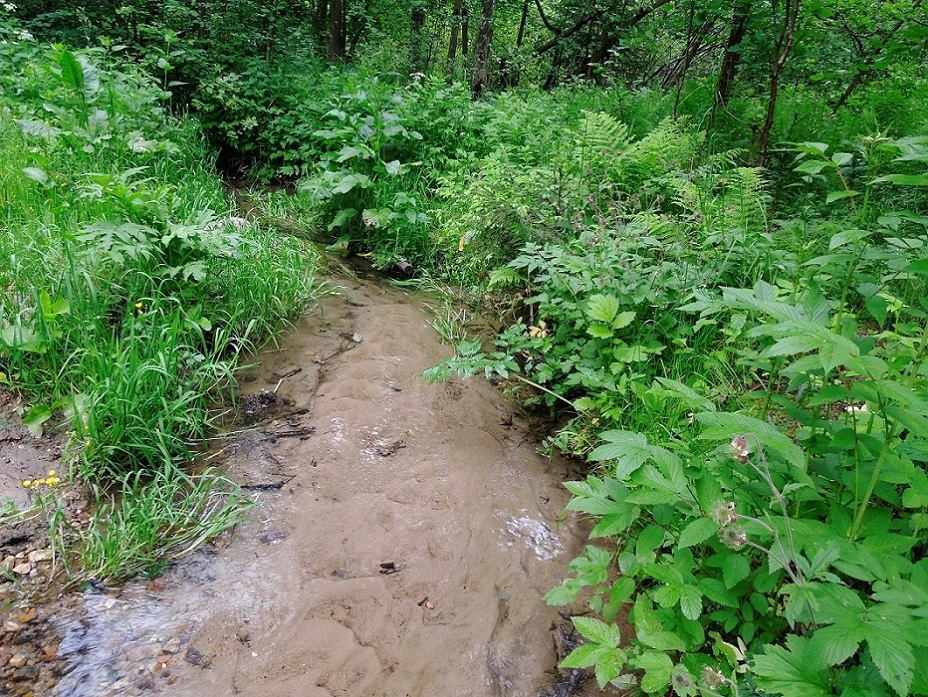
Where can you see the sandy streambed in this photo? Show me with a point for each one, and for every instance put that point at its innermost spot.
(405, 535)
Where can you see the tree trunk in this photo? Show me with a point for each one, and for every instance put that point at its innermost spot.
(465, 32)
(482, 48)
(416, 39)
(453, 42)
(336, 48)
(784, 45)
(739, 27)
(522, 22)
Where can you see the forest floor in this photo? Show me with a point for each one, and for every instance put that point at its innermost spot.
(403, 538)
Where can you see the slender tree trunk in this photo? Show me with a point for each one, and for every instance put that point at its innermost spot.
(739, 27)
(336, 49)
(522, 22)
(784, 45)
(465, 32)
(482, 48)
(453, 42)
(416, 39)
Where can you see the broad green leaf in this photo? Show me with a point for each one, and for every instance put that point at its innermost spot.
(630, 450)
(904, 179)
(839, 195)
(836, 643)
(691, 602)
(727, 425)
(812, 166)
(888, 633)
(657, 667)
(623, 319)
(791, 671)
(564, 594)
(599, 331)
(35, 417)
(609, 666)
(597, 631)
(72, 73)
(735, 568)
(697, 531)
(603, 308)
(37, 174)
(583, 656)
(350, 151)
(342, 217)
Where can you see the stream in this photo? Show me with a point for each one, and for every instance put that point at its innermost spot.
(403, 538)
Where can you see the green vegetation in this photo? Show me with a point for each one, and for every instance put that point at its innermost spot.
(129, 291)
(704, 227)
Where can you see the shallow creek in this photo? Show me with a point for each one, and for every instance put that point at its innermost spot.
(404, 537)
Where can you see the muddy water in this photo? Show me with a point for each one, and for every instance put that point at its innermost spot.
(404, 537)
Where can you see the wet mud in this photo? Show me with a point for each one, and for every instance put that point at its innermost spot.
(403, 538)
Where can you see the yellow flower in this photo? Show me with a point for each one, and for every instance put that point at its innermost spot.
(27, 483)
(139, 305)
(51, 473)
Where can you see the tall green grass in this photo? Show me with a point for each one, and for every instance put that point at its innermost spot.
(129, 291)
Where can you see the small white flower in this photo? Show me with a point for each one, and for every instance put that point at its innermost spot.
(856, 409)
(24, 35)
(8, 6)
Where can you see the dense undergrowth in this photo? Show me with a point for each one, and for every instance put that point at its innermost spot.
(130, 291)
(739, 352)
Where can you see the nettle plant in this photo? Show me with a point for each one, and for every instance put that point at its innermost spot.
(363, 178)
(782, 553)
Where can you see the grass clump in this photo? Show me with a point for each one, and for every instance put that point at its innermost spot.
(129, 292)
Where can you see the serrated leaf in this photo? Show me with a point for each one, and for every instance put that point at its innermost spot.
(583, 656)
(563, 594)
(623, 319)
(630, 450)
(791, 671)
(697, 531)
(735, 568)
(726, 425)
(691, 602)
(888, 640)
(835, 644)
(657, 667)
(597, 631)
